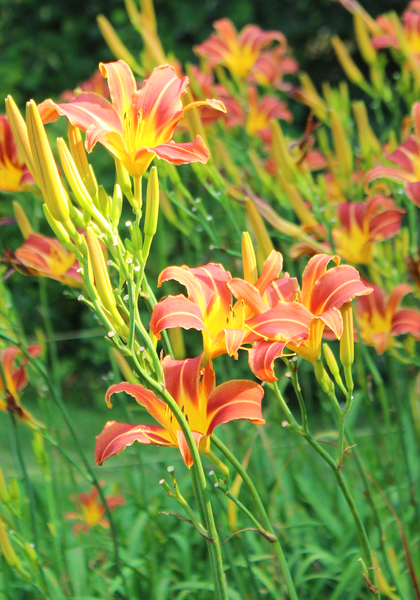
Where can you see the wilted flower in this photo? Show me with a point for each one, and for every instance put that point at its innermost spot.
(204, 406)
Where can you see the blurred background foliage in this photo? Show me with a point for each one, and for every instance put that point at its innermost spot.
(49, 46)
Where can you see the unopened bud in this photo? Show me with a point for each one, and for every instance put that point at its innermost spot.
(349, 67)
(45, 167)
(265, 245)
(4, 494)
(249, 260)
(60, 233)
(20, 134)
(347, 343)
(115, 44)
(116, 205)
(363, 40)
(31, 553)
(104, 203)
(22, 220)
(342, 147)
(322, 377)
(78, 153)
(152, 210)
(332, 365)
(297, 203)
(9, 554)
(136, 237)
(367, 139)
(283, 159)
(39, 450)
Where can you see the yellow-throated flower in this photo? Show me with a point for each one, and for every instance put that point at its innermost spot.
(14, 175)
(92, 510)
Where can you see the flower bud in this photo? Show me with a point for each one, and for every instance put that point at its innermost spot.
(297, 203)
(363, 40)
(78, 153)
(332, 365)
(116, 206)
(31, 553)
(45, 167)
(152, 211)
(104, 202)
(367, 139)
(20, 134)
(265, 245)
(322, 377)
(349, 67)
(100, 272)
(284, 161)
(249, 260)
(39, 450)
(347, 343)
(22, 220)
(59, 231)
(116, 46)
(309, 96)
(4, 494)
(342, 147)
(9, 554)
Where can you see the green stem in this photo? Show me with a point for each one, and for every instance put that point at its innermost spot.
(262, 513)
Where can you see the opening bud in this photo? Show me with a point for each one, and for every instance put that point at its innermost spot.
(249, 259)
(22, 220)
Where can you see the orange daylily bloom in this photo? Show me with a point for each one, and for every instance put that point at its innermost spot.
(310, 309)
(411, 26)
(139, 124)
(15, 379)
(380, 318)
(261, 112)
(42, 256)
(205, 407)
(237, 52)
(93, 510)
(270, 67)
(14, 175)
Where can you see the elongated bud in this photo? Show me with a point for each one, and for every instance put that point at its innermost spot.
(100, 272)
(148, 12)
(136, 237)
(116, 206)
(265, 245)
(332, 365)
(4, 494)
(283, 159)
(104, 203)
(45, 166)
(72, 175)
(363, 40)
(39, 450)
(176, 337)
(297, 203)
(367, 139)
(341, 145)
(31, 553)
(124, 367)
(322, 377)
(249, 260)
(347, 343)
(78, 153)
(124, 181)
(22, 220)
(60, 233)
(116, 46)
(9, 554)
(152, 210)
(20, 134)
(404, 46)
(349, 67)
(14, 490)
(312, 99)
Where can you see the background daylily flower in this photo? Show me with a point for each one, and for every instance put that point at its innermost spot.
(411, 27)
(208, 308)
(93, 510)
(380, 318)
(237, 52)
(204, 406)
(14, 175)
(15, 380)
(261, 112)
(96, 84)
(270, 67)
(46, 257)
(309, 310)
(139, 124)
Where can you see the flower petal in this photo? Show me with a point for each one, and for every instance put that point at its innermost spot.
(270, 271)
(285, 321)
(115, 437)
(261, 358)
(237, 399)
(406, 320)
(316, 267)
(395, 298)
(335, 287)
(183, 153)
(242, 290)
(146, 398)
(182, 380)
(176, 311)
(284, 289)
(122, 86)
(183, 446)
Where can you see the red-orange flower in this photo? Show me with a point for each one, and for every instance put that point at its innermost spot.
(204, 406)
(42, 256)
(96, 84)
(15, 379)
(270, 67)
(93, 510)
(411, 24)
(309, 310)
(14, 175)
(238, 52)
(380, 318)
(139, 124)
(261, 112)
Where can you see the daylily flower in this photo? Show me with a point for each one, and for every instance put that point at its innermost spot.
(411, 27)
(208, 308)
(237, 52)
(14, 175)
(204, 406)
(96, 84)
(93, 510)
(270, 67)
(15, 380)
(139, 124)
(310, 309)
(45, 257)
(363, 224)
(261, 112)
(380, 318)
(407, 159)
